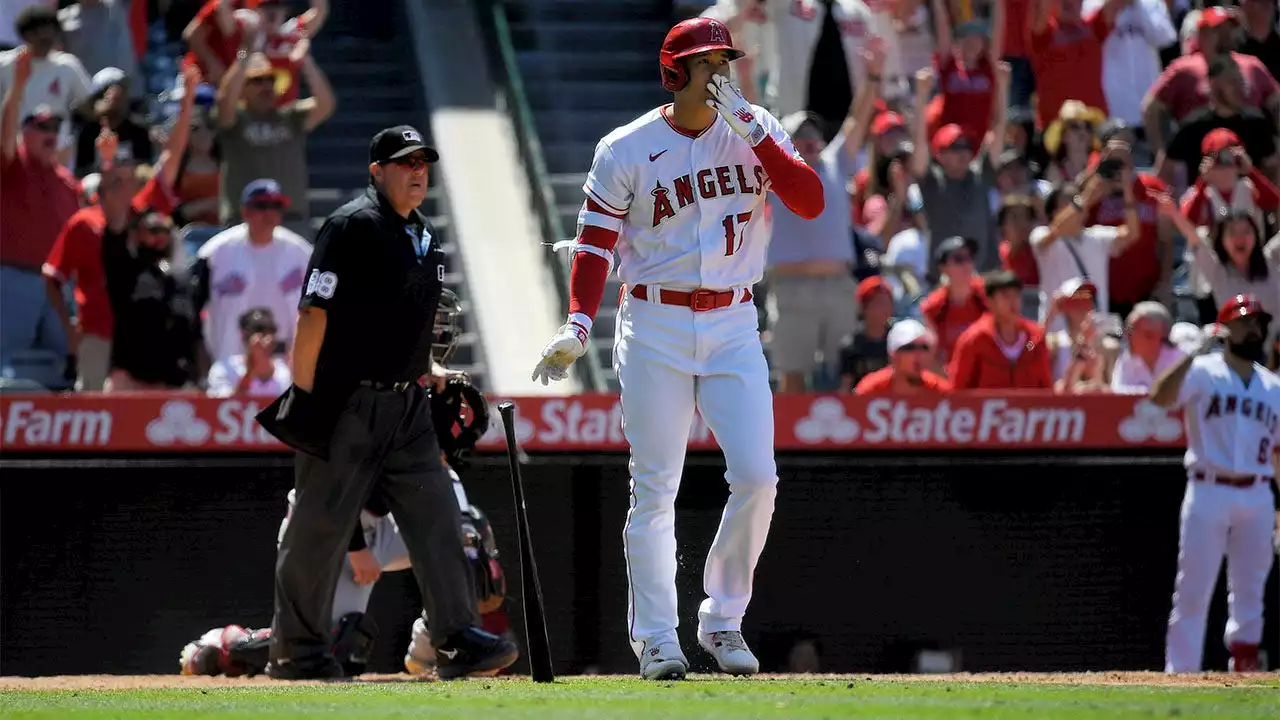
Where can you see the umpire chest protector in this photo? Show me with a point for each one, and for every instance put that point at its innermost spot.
(378, 276)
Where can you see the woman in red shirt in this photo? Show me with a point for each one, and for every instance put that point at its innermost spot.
(910, 347)
(966, 74)
(958, 302)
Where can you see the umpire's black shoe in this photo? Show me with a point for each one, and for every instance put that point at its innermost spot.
(314, 667)
(474, 652)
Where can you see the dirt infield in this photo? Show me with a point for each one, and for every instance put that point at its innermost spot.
(146, 682)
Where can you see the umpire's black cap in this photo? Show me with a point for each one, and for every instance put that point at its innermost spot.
(396, 142)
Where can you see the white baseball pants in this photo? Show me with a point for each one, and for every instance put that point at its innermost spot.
(1219, 520)
(671, 360)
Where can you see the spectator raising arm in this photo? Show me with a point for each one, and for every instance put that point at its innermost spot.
(994, 141)
(919, 127)
(232, 85)
(313, 19)
(322, 102)
(12, 101)
(854, 129)
(176, 146)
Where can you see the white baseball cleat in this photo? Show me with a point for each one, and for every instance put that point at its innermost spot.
(663, 660)
(730, 651)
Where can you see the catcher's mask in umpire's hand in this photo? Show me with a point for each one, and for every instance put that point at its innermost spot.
(461, 416)
(447, 328)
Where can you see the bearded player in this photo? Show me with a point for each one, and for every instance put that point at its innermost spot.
(1231, 407)
(679, 194)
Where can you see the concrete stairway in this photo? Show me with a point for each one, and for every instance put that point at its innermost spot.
(370, 63)
(588, 67)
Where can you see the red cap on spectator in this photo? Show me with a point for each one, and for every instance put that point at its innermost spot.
(947, 136)
(870, 286)
(1218, 140)
(886, 121)
(1215, 17)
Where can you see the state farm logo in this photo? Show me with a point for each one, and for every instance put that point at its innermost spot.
(25, 425)
(902, 422)
(1149, 422)
(177, 423)
(826, 421)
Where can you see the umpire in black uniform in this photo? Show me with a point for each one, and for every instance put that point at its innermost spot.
(362, 424)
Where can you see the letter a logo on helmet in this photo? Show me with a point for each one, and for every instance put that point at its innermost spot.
(697, 35)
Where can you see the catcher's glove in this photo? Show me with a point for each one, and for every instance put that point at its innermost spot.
(461, 416)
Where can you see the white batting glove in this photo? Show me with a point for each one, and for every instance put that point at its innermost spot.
(569, 344)
(727, 100)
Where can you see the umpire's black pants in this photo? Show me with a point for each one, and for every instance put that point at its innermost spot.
(383, 443)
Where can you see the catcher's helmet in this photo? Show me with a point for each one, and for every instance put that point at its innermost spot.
(690, 37)
(1242, 306)
(447, 328)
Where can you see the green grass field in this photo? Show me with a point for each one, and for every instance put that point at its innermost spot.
(1045, 698)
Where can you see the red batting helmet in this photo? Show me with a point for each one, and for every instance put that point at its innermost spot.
(690, 37)
(1242, 306)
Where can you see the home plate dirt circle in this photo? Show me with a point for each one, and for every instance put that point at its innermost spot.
(149, 682)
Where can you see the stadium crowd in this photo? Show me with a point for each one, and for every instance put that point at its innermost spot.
(1020, 193)
(154, 192)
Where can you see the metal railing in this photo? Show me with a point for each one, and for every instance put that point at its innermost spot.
(588, 367)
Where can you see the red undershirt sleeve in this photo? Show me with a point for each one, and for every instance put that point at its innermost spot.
(791, 179)
(592, 260)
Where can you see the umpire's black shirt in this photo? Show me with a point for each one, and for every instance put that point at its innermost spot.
(378, 277)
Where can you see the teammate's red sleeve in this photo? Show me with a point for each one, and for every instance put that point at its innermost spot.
(591, 262)
(793, 181)
(1266, 195)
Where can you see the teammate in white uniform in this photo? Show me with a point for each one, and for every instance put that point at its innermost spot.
(680, 193)
(1231, 405)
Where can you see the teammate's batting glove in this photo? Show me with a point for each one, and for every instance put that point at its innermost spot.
(734, 108)
(569, 344)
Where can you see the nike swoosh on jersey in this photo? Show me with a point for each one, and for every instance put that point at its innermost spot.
(655, 156)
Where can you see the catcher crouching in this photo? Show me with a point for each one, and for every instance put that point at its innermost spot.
(460, 416)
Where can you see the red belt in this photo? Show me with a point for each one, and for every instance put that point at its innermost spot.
(698, 300)
(1238, 481)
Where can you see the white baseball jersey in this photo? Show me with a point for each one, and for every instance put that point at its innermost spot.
(59, 81)
(1231, 428)
(796, 27)
(688, 209)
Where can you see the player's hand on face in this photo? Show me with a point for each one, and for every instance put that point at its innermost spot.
(364, 566)
(569, 344)
(1214, 336)
(727, 99)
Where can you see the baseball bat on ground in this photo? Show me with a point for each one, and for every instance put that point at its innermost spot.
(535, 618)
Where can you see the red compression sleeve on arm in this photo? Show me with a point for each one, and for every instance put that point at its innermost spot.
(590, 271)
(793, 181)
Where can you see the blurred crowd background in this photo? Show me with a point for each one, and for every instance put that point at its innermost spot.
(1020, 193)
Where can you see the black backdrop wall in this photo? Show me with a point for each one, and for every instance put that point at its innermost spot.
(1021, 563)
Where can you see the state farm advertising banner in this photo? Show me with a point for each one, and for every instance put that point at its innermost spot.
(193, 423)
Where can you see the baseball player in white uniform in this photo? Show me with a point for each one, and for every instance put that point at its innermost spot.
(679, 194)
(1231, 405)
